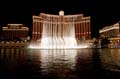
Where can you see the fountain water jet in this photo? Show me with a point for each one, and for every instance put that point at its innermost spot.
(58, 32)
(58, 37)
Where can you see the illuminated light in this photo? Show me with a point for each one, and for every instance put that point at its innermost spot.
(34, 46)
(108, 29)
(55, 43)
(61, 13)
(115, 26)
(83, 46)
(14, 24)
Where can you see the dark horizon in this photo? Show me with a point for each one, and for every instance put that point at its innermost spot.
(102, 13)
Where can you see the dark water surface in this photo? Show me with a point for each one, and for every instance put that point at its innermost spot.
(19, 63)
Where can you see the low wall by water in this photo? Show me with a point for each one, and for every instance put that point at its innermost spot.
(13, 44)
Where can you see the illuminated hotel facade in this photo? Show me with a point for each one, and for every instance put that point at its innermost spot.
(113, 33)
(81, 24)
(110, 31)
(14, 31)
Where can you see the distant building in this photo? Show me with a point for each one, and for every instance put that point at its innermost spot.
(14, 32)
(110, 31)
(113, 33)
(81, 24)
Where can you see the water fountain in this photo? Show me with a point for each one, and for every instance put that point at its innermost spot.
(60, 35)
(53, 38)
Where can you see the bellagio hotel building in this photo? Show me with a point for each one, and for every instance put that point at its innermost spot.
(81, 23)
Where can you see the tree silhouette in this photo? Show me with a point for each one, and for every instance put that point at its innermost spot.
(104, 42)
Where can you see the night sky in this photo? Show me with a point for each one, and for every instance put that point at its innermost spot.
(102, 12)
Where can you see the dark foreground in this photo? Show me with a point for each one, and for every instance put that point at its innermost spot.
(18, 63)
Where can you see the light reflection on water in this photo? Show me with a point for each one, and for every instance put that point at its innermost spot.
(110, 59)
(58, 58)
(18, 63)
(64, 64)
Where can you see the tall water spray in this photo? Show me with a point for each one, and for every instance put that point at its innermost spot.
(58, 36)
(58, 31)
